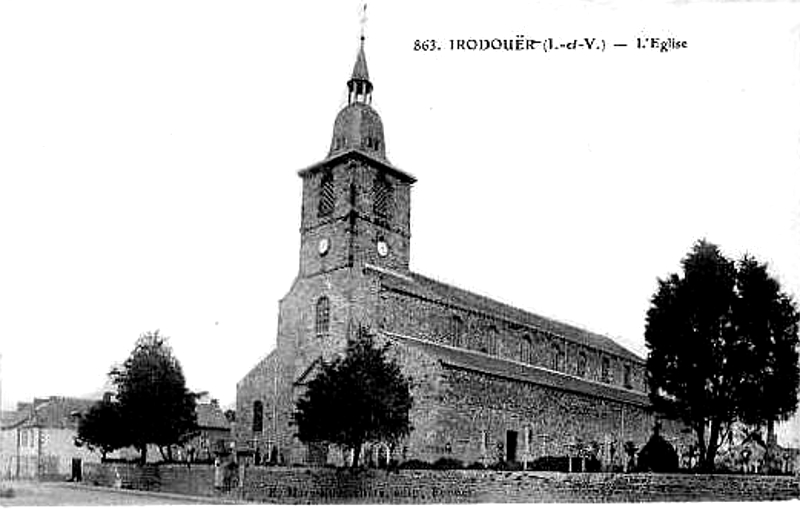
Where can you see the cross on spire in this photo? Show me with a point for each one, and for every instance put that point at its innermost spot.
(363, 21)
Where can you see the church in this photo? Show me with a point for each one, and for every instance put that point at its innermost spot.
(491, 383)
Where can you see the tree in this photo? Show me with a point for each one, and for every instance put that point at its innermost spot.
(154, 402)
(102, 428)
(722, 342)
(356, 399)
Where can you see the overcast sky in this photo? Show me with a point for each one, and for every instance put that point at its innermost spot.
(149, 150)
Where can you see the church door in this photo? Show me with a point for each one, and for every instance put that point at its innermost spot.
(511, 446)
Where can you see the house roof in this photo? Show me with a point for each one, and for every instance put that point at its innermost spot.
(12, 418)
(210, 415)
(54, 412)
(423, 287)
(470, 360)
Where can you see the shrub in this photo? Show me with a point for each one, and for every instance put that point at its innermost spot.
(593, 464)
(415, 464)
(505, 465)
(448, 464)
(477, 465)
(550, 463)
(658, 455)
(6, 492)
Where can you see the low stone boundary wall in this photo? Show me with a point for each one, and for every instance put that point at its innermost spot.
(194, 480)
(300, 485)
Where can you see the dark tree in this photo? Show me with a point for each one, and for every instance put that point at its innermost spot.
(230, 415)
(155, 404)
(767, 328)
(102, 428)
(722, 341)
(358, 398)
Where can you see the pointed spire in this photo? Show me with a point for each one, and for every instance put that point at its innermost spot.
(359, 87)
(360, 71)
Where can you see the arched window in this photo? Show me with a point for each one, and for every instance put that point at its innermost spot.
(556, 358)
(581, 367)
(526, 349)
(327, 194)
(492, 340)
(382, 198)
(456, 331)
(258, 416)
(605, 373)
(323, 316)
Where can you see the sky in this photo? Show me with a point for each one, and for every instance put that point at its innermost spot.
(149, 150)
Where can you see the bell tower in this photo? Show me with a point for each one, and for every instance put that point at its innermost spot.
(356, 204)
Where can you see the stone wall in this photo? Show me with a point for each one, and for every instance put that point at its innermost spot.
(434, 321)
(278, 380)
(300, 485)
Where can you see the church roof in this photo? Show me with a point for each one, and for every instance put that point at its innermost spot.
(471, 360)
(358, 126)
(424, 287)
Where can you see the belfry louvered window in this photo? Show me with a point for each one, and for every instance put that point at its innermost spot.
(327, 194)
(382, 205)
(323, 316)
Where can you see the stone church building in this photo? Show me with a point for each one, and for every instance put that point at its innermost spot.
(491, 382)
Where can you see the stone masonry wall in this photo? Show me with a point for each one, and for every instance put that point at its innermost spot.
(300, 485)
(279, 382)
(433, 321)
(468, 415)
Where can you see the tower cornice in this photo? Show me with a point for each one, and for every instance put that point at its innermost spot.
(357, 154)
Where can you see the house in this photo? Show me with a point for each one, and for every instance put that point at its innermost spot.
(213, 434)
(754, 455)
(38, 439)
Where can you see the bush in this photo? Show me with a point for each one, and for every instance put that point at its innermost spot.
(658, 455)
(6, 492)
(448, 464)
(550, 464)
(505, 466)
(415, 464)
(593, 464)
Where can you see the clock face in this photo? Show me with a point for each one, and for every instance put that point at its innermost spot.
(323, 246)
(383, 248)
